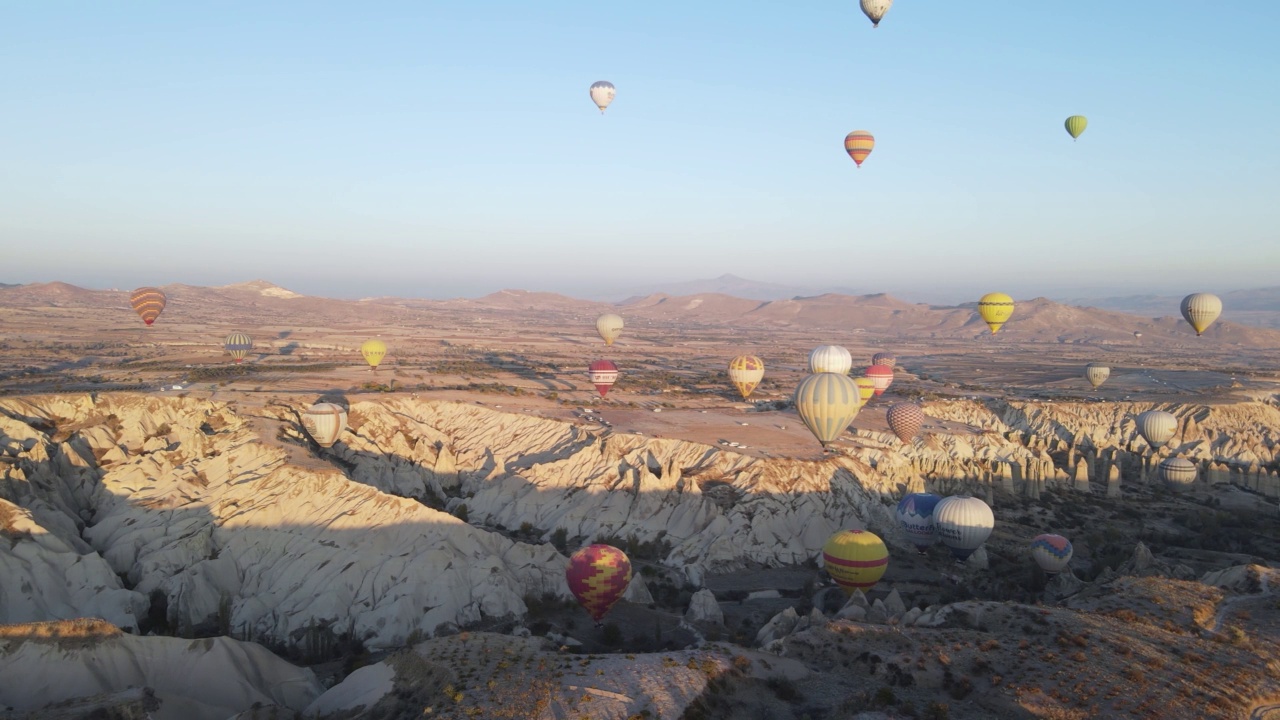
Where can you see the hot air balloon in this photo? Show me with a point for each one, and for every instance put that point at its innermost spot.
(1157, 427)
(238, 345)
(1096, 374)
(148, 302)
(915, 514)
(859, 144)
(827, 403)
(602, 94)
(830, 359)
(1201, 309)
(884, 358)
(1075, 125)
(963, 523)
(1178, 473)
(866, 388)
(373, 351)
(882, 375)
(1051, 553)
(325, 422)
(905, 420)
(855, 559)
(598, 575)
(875, 10)
(995, 309)
(745, 372)
(1137, 334)
(603, 374)
(609, 326)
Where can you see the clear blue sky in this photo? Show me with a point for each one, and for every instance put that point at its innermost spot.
(437, 149)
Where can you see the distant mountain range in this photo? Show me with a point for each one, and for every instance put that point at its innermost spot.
(726, 285)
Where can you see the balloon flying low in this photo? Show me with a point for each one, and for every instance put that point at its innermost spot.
(830, 359)
(602, 93)
(866, 388)
(745, 372)
(884, 358)
(995, 309)
(603, 374)
(964, 523)
(855, 559)
(915, 515)
(882, 375)
(238, 345)
(827, 403)
(609, 326)
(148, 302)
(598, 576)
(1177, 473)
(1200, 310)
(905, 420)
(859, 144)
(325, 422)
(373, 350)
(1051, 553)
(1157, 427)
(1096, 374)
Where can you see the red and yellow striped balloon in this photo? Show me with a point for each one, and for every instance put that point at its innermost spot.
(855, 559)
(598, 575)
(148, 302)
(859, 144)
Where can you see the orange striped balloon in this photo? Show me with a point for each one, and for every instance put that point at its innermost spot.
(148, 302)
(598, 576)
(859, 144)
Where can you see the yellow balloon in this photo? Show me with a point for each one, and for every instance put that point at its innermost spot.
(995, 309)
(609, 326)
(827, 403)
(866, 388)
(855, 559)
(745, 372)
(373, 351)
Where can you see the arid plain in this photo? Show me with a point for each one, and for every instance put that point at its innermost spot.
(417, 566)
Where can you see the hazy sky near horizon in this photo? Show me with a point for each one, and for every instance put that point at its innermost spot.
(436, 149)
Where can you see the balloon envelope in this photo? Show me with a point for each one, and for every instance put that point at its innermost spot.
(830, 359)
(602, 93)
(1096, 374)
(745, 372)
(875, 10)
(1051, 553)
(905, 420)
(964, 524)
(855, 559)
(238, 345)
(859, 144)
(148, 302)
(373, 351)
(884, 358)
(1200, 310)
(1075, 125)
(1157, 427)
(882, 375)
(598, 576)
(915, 515)
(603, 374)
(827, 403)
(995, 309)
(609, 326)
(1178, 473)
(866, 388)
(325, 422)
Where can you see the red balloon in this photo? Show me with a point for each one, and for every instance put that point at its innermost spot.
(603, 375)
(905, 420)
(598, 576)
(882, 375)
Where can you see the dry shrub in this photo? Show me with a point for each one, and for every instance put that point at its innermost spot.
(81, 628)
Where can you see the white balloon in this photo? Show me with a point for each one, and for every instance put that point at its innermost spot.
(830, 358)
(963, 524)
(875, 10)
(325, 422)
(602, 93)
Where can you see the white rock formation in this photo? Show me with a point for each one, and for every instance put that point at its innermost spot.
(209, 679)
(703, 608)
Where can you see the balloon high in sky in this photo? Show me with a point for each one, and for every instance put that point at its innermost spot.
(346, 149)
